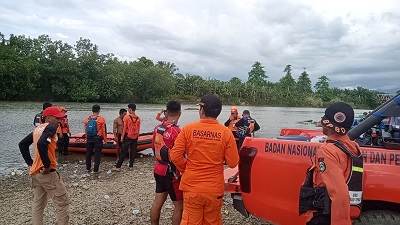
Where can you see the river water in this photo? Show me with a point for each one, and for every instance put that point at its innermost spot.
(16, 121)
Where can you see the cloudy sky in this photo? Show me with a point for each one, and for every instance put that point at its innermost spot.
(353, 42)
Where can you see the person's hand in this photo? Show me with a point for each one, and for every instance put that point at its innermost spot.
(105, 141)
(231, 117)
(116, 139)
(45, 171)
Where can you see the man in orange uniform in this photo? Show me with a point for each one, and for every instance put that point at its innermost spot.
(336, 174)
(129, 139)
(45, 179)
(64, 134)
(96, 135)
(230, 123)
(166, 175)
(118, 127)
(207, 145)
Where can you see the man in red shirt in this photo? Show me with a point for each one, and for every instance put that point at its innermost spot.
(166, 175)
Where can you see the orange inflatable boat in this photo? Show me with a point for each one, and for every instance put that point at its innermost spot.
(77, 143)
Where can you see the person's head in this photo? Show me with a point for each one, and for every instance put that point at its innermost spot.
(234, 111)
(122, 113)
(210, 106)
(63, 109)
(246, 113)
(95, 108)
(173, 110)
(338, 119)
(132, 108)
(46, 105)
(53, 115)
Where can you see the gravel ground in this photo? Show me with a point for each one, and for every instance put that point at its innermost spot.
(106, 198)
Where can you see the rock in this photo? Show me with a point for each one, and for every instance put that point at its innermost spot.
(75, 184)
(109, 172)
(75, 171)
(135, 212)
(226, 212)
(152, 181)
(18, 172)
(85, 187)
(141, 156)
(168, 206)
(12, 173)
(106, 196)
(76, 166)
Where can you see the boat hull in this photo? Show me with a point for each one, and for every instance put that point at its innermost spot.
(77, 143)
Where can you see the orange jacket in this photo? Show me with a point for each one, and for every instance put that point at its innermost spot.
(127, 124)
(207, 145)
(37, 161)
(101, 126)
(333, 175)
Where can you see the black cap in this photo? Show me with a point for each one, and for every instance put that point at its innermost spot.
(338, 117)
(210, 101)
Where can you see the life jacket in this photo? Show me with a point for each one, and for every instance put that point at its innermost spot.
(91, 126)
(37, 161)
(133, 127)
(64, 125)
(247, 128)
(317, 198)
(161, 151)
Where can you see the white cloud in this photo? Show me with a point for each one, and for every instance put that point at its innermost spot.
(352, 42)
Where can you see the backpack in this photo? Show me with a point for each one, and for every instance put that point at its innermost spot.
(133, 128)
(91, 127)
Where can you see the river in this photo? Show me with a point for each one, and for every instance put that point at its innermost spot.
(16, 121)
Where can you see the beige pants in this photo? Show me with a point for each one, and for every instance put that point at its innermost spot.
(51, 185)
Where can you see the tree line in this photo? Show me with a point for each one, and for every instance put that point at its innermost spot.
(43, 69)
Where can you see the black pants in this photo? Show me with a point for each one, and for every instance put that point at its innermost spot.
(132, 143)
(63, 143)
(95, 143)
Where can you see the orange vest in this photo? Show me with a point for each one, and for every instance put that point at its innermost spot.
(51, 148)
(232, 126)
(161, 151)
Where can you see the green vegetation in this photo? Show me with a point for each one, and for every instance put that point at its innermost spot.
(42, 69)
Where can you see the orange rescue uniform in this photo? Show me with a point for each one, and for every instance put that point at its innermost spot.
(333, 176)
(101, 126)
(207, 145)
(37, 161)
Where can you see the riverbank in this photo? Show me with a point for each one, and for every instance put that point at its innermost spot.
(106, 198)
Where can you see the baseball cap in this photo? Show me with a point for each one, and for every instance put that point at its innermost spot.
(53, 111)
(210, 101)
(338, 117)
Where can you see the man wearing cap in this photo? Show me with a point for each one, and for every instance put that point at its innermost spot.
(207, 145)
(230, 123)
(335, 178)
(45, 179)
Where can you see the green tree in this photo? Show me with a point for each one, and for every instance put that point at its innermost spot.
(322, 89)
(304, 84)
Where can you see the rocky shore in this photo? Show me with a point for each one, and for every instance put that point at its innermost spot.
(106, 198)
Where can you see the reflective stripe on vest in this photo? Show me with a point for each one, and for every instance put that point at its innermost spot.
(355, 179)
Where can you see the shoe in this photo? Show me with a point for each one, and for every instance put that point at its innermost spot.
(89, 170)
(116, 169)
(95, 172)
